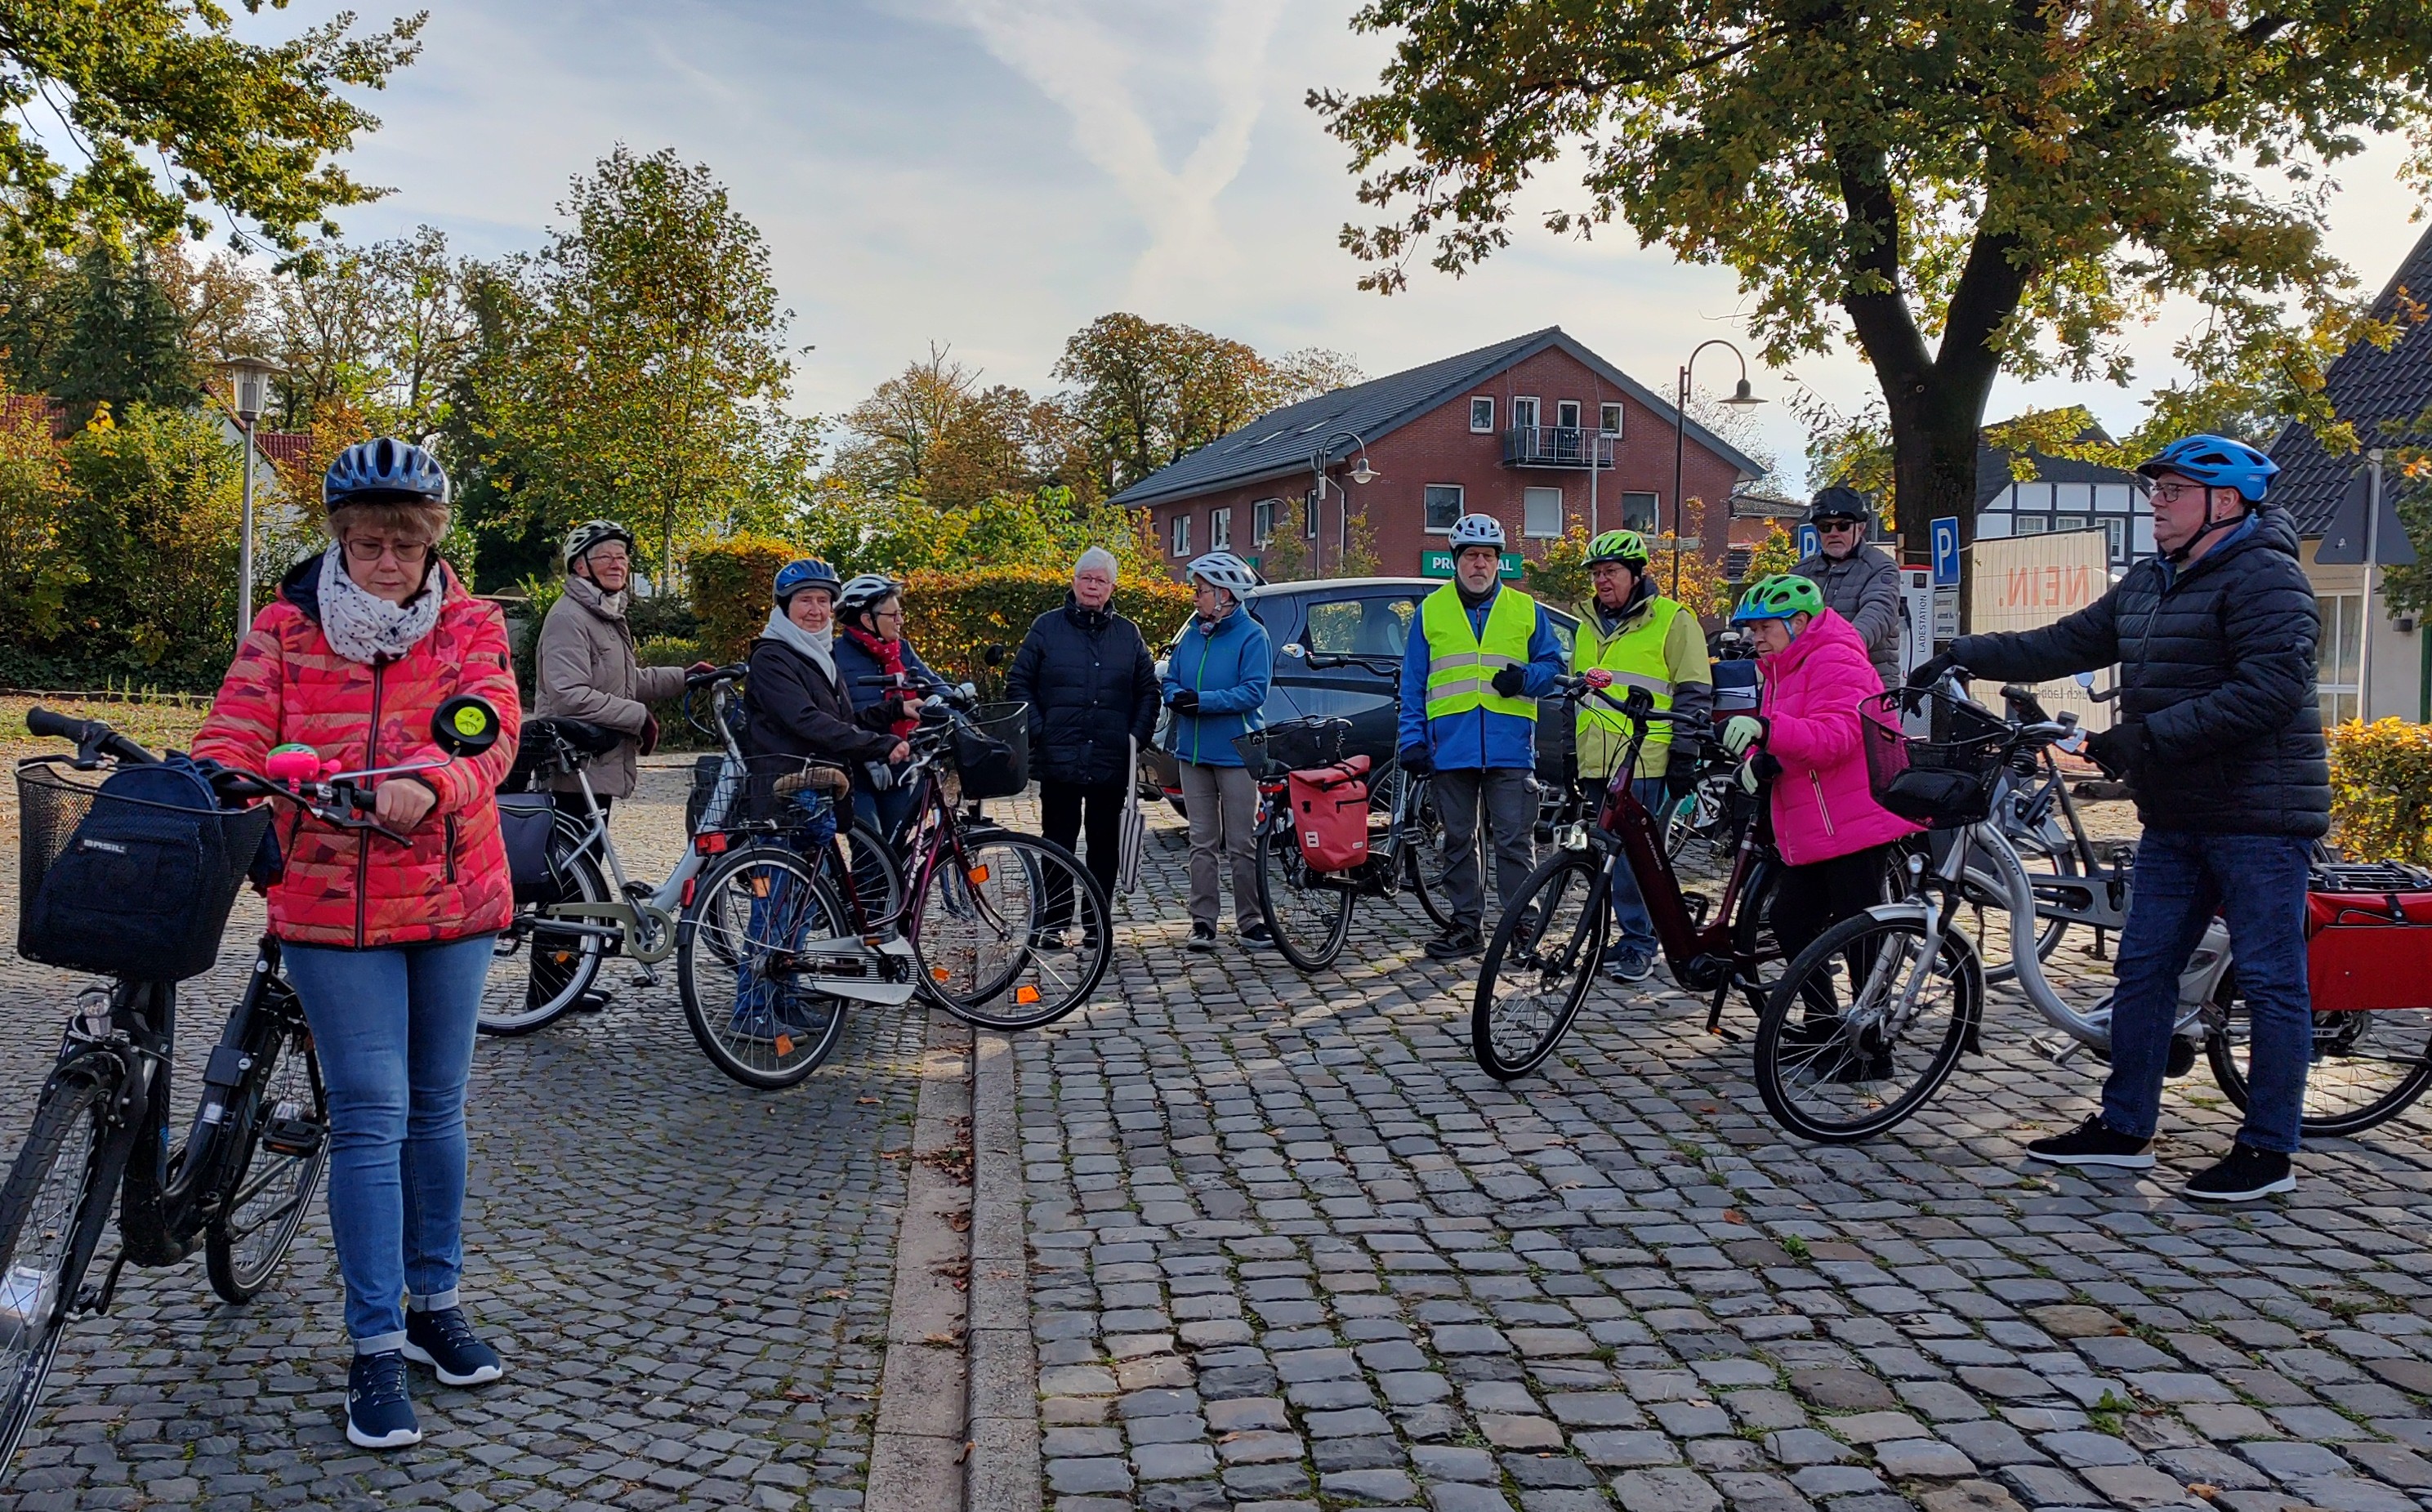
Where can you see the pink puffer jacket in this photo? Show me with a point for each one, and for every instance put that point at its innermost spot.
(349, 887)
(1822, 805)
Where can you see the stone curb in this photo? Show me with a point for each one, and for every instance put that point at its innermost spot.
(1004, 1472)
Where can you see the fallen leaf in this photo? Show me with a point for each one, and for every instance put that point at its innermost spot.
(2207, 1492)
(1732, 1215)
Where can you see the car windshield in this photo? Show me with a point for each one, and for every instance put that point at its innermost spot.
(1376, 626)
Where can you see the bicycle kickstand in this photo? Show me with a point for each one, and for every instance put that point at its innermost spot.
(1715, 1014)
(93, 1302)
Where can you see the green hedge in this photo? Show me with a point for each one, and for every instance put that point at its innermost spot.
(730, 584)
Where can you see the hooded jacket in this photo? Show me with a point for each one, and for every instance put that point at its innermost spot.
(351, 887)
(1229, 667)
(1823, 805)
(2217, 664)
(1863, 589)
(1091, 689)
(586, 670)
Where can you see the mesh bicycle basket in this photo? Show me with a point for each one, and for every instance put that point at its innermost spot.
(132, 878)
(1295, 745)
(1943, 780)
(993, 750)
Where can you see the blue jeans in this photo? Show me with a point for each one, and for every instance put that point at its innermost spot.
(884, 812)
(393, 1030)
(2182, 881)
(780, 921)
(1634, 930)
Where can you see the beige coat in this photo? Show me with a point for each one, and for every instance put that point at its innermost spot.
(587, 669)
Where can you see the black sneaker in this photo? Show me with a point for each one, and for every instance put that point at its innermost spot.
(1257, 936)
(1203, 938)
(1454, 944)
(2092, 1143)
(2245, 1174)
(592, 1002)
(1627, 965)
(379, 1415)
(444, 1340)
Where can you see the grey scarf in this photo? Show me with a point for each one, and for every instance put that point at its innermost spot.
(819, 647)
(362, 627)
(591, 596)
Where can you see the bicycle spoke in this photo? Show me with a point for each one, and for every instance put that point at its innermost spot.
(1864, 1027)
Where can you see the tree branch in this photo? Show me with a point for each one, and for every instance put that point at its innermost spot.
(1876, 303)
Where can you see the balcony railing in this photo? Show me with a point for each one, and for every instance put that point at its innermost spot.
(1557, 446)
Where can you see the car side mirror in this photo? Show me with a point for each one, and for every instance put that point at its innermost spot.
(2086, 681)
(466, 725)
(993, 653)
(1295, 649)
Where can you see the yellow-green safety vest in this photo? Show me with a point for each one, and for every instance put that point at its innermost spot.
(1635, 655)
(1462, 665)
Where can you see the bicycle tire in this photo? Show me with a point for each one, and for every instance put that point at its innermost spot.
(1309, 919)
(1511, 1035)
(566, 964)
(1776, 1062)
(753, 1043)
(2224, 1049)
(238, 1271)
(48, 1189)
(1424, 838)
(876, 870)
(990, 929)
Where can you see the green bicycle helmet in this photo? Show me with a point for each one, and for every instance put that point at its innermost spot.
(1626, 547)
(1779, 597)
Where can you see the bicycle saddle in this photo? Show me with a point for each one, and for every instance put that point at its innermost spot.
(584, 736)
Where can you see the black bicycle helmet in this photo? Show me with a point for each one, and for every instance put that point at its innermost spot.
(1839, 503)
(386, 471)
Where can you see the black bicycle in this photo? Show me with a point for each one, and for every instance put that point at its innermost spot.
(240, 1182)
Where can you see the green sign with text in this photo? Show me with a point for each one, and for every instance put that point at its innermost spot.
(1439, 565)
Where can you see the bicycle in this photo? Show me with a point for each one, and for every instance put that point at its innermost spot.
(1549, 943)
(240, 1182)
(1840, 1077)
(775, 942)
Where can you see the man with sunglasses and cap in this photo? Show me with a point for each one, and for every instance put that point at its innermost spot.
(1860, 582)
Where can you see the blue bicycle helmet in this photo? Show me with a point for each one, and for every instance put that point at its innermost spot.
(2216, 462)
(382, 472)
(809, 571)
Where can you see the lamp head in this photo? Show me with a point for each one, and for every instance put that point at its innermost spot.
(1742, 398)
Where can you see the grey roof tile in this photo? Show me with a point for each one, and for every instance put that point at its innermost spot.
(2378, 392)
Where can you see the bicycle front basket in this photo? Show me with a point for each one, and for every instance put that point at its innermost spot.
(133, 878)
(1295, 745)
(993, 750)
(1945, 782)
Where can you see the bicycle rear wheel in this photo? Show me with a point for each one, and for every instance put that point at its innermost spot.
(738, 967)
(47, 1192)
(282, 1118)
(1308, 912)
(1540, 964)
(876, 871)
(1862, 1056)
(1422, 844)
(537, 972)
(1012, 933)
(2368, 1067)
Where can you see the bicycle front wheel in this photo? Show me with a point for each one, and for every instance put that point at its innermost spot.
(1012, 932)
(1308, 912)
(1846, 1050)
(877, 873)
(738, 967)
(46, 1196)
(537, 972)
(2367, 1067)
(1540, 964)
(284, 1120)
(1421, 847)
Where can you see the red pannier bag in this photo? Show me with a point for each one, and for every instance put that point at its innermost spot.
(2367, 950)
(1329, 806)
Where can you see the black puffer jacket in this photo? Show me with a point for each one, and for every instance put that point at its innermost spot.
(793, 708)
(1091, 689)
(2217, 662)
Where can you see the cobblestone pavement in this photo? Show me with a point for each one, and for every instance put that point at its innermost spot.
(690, 1282)
(1291, 1250)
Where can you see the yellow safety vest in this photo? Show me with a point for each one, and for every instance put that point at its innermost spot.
(1635, 655)
(1462, 665)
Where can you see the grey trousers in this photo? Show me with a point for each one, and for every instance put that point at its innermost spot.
(1224, 804)
(1509, 795)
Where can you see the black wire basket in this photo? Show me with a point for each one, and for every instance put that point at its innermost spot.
(1945, 780)
(1296, 746)
(126, 886)
(993, 750)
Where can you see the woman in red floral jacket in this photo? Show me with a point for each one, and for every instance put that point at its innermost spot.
(386, 945)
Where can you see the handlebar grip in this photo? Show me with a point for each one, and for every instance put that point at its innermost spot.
(42, 721)
(89, 734)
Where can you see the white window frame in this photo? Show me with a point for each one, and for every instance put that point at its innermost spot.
(1460, 506)
(1529, 500)
(1179, 534)
(1526, 404)
(1481, 415)
(1262, 520)
(1575, 411)
(1655, 522)
(2116, 527)
(2343, 686)
(1220, 529)
(1312, 504)
(1609, 419)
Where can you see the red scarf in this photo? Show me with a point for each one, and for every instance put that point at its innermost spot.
(889, 657)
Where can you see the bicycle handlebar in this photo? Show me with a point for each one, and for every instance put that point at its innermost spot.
(1636, 707)
(337, 798)
(92, 737)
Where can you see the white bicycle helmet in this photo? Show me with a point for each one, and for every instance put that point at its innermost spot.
(1475, 531)
(865, 591)
(1221, 569)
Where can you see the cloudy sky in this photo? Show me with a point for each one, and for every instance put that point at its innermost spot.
(993, 174)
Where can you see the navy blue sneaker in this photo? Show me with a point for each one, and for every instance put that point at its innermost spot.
(379, 1413)
(442, 1339)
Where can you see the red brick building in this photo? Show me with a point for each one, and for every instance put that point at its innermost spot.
(1538, 431)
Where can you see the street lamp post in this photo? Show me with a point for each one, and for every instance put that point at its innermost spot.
(250, 395)
(1318, 460)
(1741, 399)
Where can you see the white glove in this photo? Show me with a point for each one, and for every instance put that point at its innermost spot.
(1740, 731)
(1749, 783)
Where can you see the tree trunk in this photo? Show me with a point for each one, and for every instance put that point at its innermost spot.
(1936, 421)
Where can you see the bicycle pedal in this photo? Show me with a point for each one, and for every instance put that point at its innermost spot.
(649, 978)
(289, 1133)
(2055, 1048)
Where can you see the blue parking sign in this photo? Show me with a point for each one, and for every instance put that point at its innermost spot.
(1946, 551)
(1811, 542)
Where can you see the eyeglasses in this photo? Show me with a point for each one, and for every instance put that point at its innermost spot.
(1835, 527)
(369, 551)
(609, 559)
(886, 614)
(2172, 493)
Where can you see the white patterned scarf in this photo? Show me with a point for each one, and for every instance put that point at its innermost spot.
(820, 648)
(362, 627)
